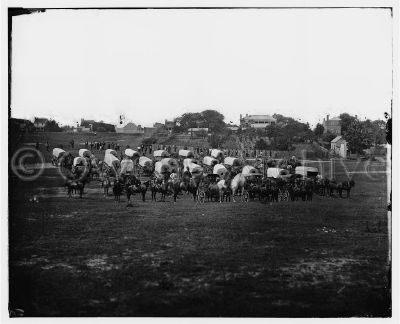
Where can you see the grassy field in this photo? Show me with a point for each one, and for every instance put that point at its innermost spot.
(95, 257)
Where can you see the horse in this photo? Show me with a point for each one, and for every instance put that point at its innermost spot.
(177, 186)
(269, 190)
(134, 185)
(74, 186)
(297, 190)
(117, 190)
(160, 185)
(238, 184)
(66, 161)
(333, 185)
(191, 184)
(224, 186)
(105, 184)
(309, 188)
(346, 186)
(212, 191)
(94, 169)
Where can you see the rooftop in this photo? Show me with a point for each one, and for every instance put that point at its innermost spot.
(337, 139)
(259, 117)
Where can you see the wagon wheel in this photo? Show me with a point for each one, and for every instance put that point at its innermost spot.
(246, 196)
(201, 196)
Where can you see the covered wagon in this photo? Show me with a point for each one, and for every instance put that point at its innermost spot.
(127, 166)
(306, 172)
(249, 170)
(145, 162)
(210, 161)
(160, 154)
(172, 163)
(217, 154)
(57, 155)
(132, 154)
(194, 168)
(161, 170)
(112, 152)
(79, 161)
(145, 165)
(112, 164)
(185, 154)
(85, 153)
(277, 173)
(220, 170)
(232, 161)
(57, 152)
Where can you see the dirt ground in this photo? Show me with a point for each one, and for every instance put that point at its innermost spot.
(95, 257)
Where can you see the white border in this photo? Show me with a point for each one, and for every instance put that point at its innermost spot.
(190, 3)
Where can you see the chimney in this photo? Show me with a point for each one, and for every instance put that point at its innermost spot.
(240, 116)
(246, 115)
(327, 117)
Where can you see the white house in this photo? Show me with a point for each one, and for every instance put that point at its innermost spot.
(130, 128)
(256, 121)
(339, 146)
(39, 124)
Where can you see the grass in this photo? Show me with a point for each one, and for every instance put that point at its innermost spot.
(95, 257)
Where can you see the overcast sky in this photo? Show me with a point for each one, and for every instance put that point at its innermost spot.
(151, 65)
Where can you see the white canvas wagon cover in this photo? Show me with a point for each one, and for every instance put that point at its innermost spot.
(172, 163)
(84, 153)
(249, 170)
(112, 161)
(160, 168)
(220, 170)
(187, 162)
(111, 151)
(144, 161)
(79, 160)
(306, 171)
(160, 153)
(276, 172)
(232, 161)
(194, 168)
(186, 153)
(126, 166)
(131, 153)
(210, 161)
(57, 152)
(215, 153)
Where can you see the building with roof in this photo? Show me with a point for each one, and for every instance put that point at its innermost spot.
(169, 125)
(332, 125)
(39, 124)
(256, 121)
(130, 128)
(339, 146)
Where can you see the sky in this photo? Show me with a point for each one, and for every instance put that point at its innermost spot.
(152, 65)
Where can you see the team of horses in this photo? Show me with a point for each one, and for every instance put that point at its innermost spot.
(202, 187)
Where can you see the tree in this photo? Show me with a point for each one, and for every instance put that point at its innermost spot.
(345, 121)
(358, 136)
(328, 137)
(319, 130)
(273, 130)
(261, 144)
(213, 120)
(52, 126)
(379, 128)
(388, 128)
